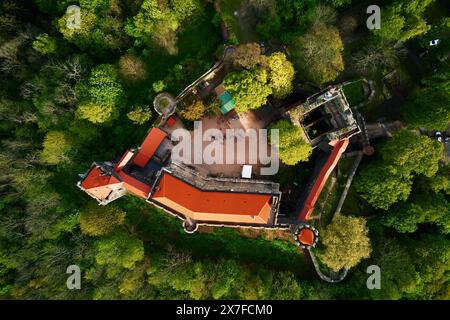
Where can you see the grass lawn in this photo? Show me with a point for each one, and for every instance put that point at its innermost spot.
(354, 92)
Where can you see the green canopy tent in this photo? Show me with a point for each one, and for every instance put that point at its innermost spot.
(227, 102)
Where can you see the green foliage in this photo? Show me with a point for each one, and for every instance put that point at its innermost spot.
(56, 146)
(139, 115)
(45, 45)
(422, 207)
(429, 107)
(158, 86)
(117, 251)
(402, 20)
(318, 54)
(287, 18)
(193, 110)
(98, 220)
(389, 179)
(132, 69)
(95, 5)
(102, 95)
(247, 55)
(249, 89)
(281, 75)
(346, 242)
(338, 3)
(223, 279)
(382, 185)
(99, 34)
(292, 148)
(412, 153)
(158, 22)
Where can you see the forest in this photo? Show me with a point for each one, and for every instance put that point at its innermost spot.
(70, 96)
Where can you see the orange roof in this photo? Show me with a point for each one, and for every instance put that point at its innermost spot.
(306, 237)
(333, 159)
(212, 205)
(134, 186)
(124, 160)
(149, 146)
(97, 183)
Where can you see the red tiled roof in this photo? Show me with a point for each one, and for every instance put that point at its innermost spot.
(333, 159)
(306, 237)
(211, 205)
(134, 186)
(97, 183)
(149, 146)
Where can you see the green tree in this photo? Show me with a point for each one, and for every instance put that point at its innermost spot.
(56, 146)
(139, 115)
(429, 108)
(101, 96)
(400, 278)
(118, 251)
(158, 22)
(45, 45)
(192, 111)
(402, 20)
(281, 75)
(249, 89)
(98, 33)
(424, 207)
(338, 3)
(412, 153)
(247, 55)
(382, 185)
(292, 147)
(389, 179)
(346, 242)
(98, 220)
(131, 68)
(318, 53)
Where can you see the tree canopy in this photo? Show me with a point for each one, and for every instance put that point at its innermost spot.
(281, 75)
(292, 148)
(346, 242)
(388, 179)
(318, 54)
(98, 220)
(102, 95)
(249, 89)
(56, 145)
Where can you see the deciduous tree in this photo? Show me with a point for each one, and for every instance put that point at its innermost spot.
(346, 242)
(249, 89)
(98, 220)
(292, 148)
(318, 53)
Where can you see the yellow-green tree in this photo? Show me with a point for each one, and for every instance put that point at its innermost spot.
(102, 95)
(346, 242)
(139, 115)
(98, 220)
(281, 75)
(249, 89)
(292, 148)
(118, 251)
(56, 145)
(193, 111)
